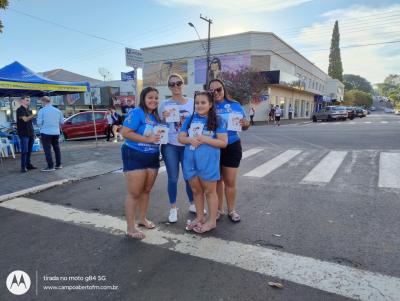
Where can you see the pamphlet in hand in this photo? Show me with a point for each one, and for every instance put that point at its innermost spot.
(161, 130)
(196, 129)
(173, 113)
(234, 122)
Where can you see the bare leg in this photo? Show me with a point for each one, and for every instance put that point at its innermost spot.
(150, 178)
(198, 198)
(230, 175)
(220, 193)
(210, 189)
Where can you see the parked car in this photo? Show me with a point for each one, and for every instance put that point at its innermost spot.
(372, 108)
(330, 113)
(361, 112)
(389, 110)
(351, 112)
(80, 125)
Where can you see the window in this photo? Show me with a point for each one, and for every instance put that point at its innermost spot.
(99, 116)
(80, 118)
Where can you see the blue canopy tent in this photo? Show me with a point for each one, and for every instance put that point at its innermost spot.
(17, 80)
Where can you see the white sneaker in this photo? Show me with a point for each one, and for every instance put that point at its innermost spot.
(192, 209)
(173, 215)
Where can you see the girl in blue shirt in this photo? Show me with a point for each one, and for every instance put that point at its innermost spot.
(203, 136)
(232, 154)
(140, 157)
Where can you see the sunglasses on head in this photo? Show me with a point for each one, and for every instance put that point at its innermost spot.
(178, 84)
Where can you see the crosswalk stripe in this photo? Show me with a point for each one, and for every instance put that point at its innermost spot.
(389, 170)
(272, 164)
(251, 152)
(326, 169)
(322, 275)
(384, 122)
(368, 122)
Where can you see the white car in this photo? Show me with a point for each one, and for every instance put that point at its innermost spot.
(389, 110)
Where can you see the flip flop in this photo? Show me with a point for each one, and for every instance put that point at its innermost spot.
(202, 229)
(234, 216)
(150, 225)
(135, 236)
(190, 225)
(220, 213)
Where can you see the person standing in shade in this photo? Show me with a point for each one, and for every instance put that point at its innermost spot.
(25, 132)
(290, 111)
(172, 152)
(278, 113)
(109, 125)
(252, 112)
(49, 121)
(232, 154)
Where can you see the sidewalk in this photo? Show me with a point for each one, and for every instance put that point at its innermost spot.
(80, 159)
(297, 121)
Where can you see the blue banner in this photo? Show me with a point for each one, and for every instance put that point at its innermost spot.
(125, 76)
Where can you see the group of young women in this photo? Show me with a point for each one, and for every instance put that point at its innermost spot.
(201, 139)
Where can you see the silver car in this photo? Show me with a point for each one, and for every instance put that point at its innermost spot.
(330, 113)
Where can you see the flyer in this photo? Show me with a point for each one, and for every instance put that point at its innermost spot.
(196, 129)
(173, 113)
(234, 122)
(161, 130)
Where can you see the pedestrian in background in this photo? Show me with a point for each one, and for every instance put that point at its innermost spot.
(232, 154)
(203, 135)
(109, 125)
(271, 114)
(49, 121)
(290, 111)
(127, 107)
(25, 132)
(252, 112)
(116, 122)
(140, 157)
(278, 113)
(173, 151)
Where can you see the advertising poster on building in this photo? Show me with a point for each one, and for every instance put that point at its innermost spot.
(219, 64)
(156, 74)
(96, 96)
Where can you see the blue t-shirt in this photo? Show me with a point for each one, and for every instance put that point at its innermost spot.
(226, 107)
(199, 122)
(142, 124)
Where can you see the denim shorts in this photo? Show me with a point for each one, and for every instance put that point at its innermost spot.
(133, 159)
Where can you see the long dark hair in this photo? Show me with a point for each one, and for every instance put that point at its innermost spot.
(212, 120)
(142, 103)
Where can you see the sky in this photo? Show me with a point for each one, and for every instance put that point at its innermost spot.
(83, 36)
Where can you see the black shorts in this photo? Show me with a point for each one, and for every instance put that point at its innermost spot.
(231, 155)
(277, 118)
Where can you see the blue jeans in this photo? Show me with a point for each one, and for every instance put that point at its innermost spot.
(173, 155)
(26, 150)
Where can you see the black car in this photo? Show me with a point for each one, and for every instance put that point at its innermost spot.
(351, 112)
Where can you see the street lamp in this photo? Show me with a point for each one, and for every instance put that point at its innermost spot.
(208, 45)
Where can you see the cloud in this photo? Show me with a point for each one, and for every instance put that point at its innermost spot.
(237, 5)
(357, 25)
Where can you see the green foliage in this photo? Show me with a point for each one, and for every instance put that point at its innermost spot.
(358, 98)
(390, 87)
(3, 5)
(335, 69)
(244, 84)
(356, 82)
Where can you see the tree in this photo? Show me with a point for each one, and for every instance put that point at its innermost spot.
(335, 69)
(244, 84)
(356, 82)
(358, 98)
(3, 5)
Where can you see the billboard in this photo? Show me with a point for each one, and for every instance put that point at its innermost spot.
(219, 64)
(156, 74)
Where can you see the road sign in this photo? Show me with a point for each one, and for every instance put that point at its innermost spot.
(134, 58)
(125, 76)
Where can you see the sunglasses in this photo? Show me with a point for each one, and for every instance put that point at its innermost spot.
(178, 84)
(218, 90)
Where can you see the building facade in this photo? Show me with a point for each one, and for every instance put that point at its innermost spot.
(297, 82)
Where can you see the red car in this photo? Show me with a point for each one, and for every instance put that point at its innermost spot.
(80, 125)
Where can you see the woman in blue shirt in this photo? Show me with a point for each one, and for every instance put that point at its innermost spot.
(232, 154)
(203, 136)
(140, 157)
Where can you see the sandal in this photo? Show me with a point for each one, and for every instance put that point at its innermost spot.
(190, 225)
(202, 229)
(220, 213)
(135, 235)
(234, 216)
(147, 224)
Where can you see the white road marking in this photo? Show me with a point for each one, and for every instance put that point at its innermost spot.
(272, 164)
(368, 122)
(384, 122)
(389, 170)
(326, 276)
(326, 169)
(251, 152)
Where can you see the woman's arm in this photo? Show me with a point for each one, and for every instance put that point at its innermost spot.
(130, 134)
(220, 142)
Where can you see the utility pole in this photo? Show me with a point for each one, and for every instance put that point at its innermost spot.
(208, 48)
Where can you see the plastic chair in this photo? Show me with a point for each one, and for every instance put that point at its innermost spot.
(5, 146)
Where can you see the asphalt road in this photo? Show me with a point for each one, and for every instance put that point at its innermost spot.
(297, 212)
